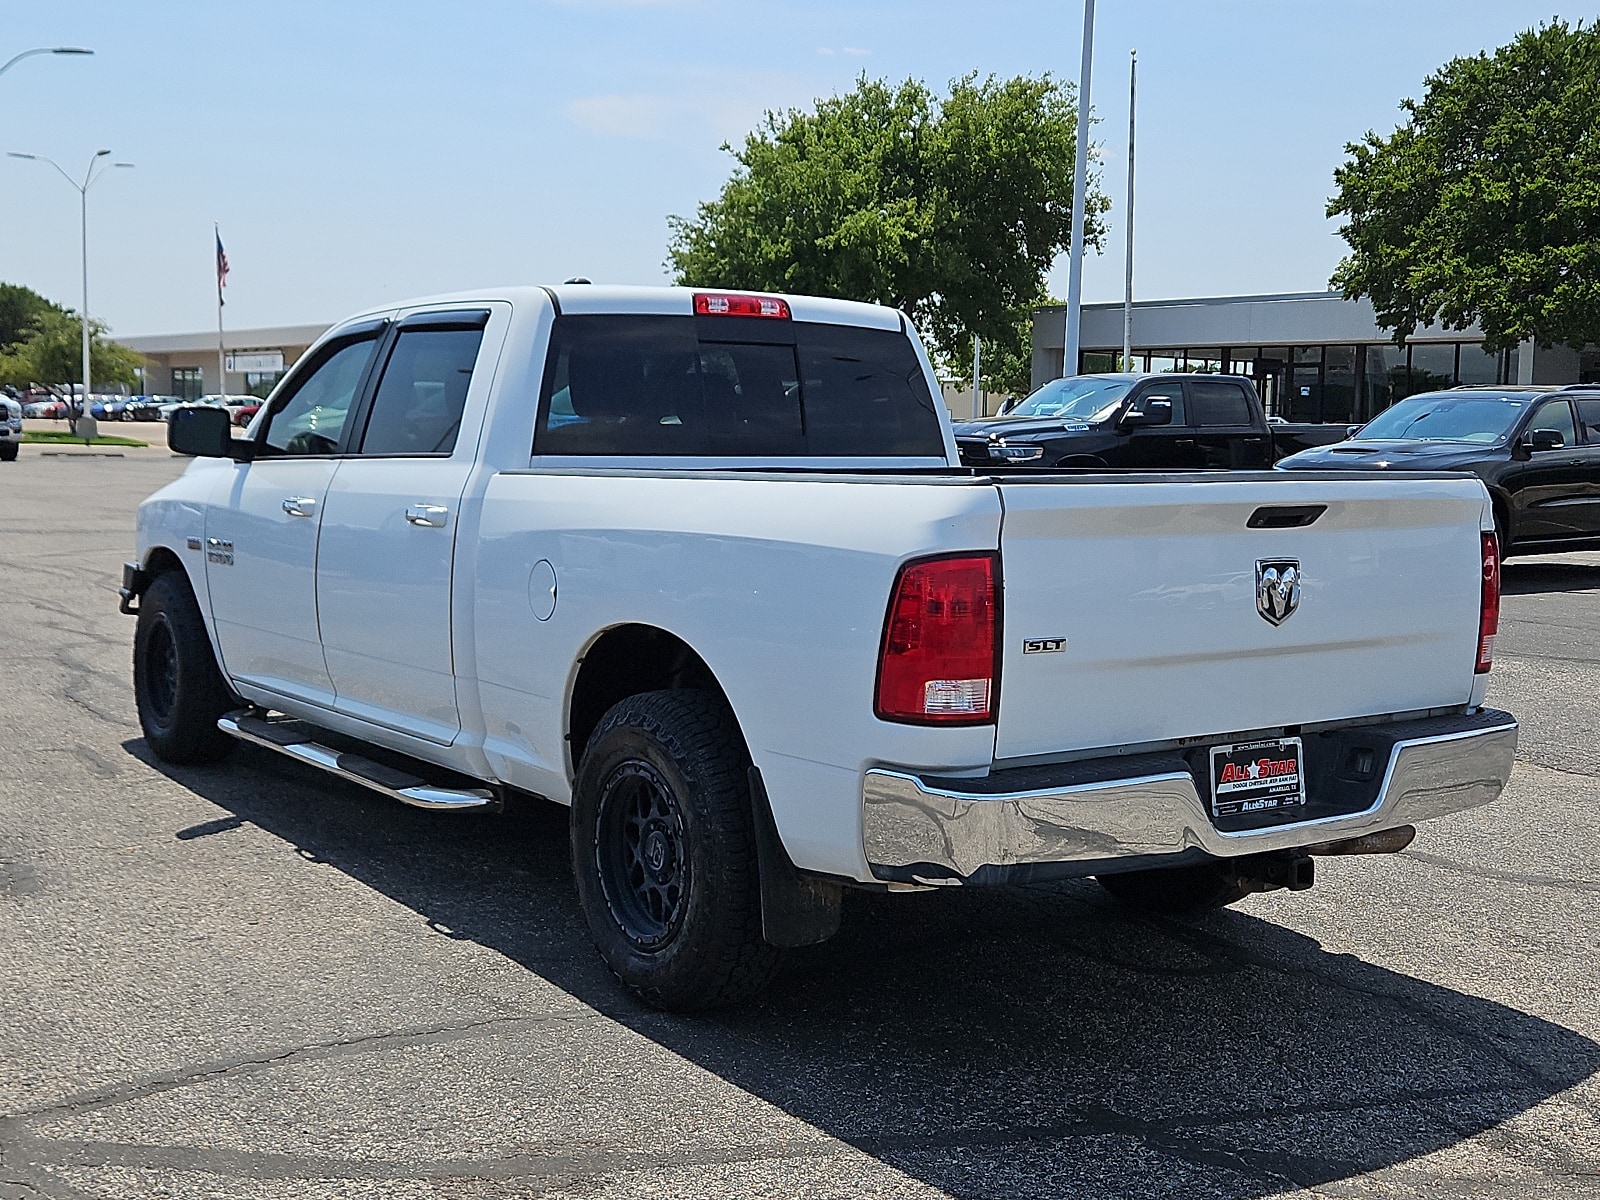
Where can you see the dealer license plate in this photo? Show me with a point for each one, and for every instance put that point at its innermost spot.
(1256, 777)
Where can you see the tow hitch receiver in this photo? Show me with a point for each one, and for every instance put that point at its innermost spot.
(1297, 872)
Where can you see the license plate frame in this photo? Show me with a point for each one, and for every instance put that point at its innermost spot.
(1278, 782)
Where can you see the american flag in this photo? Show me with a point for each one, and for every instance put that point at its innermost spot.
(222, 269)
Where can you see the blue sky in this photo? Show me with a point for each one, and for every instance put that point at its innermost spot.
(359, 152)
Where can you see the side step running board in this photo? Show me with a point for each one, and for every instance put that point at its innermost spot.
(290, 737)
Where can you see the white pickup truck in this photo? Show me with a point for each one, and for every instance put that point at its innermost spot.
(704, 567)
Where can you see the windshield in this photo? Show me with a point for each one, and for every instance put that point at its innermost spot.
(1082, 397)
(1445, 419)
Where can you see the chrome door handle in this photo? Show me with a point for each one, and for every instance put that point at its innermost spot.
(431, 516)
(300, 506)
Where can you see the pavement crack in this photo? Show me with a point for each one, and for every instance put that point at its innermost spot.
(1498, 876)
(111, 1097)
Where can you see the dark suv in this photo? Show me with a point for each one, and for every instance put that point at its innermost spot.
(1140, 422)
(1536, 449)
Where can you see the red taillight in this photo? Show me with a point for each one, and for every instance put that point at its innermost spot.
(1489, 604)
(939, 663)
(725, 304)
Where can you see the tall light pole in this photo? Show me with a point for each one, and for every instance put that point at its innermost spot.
(16, 58)
(1069, 357)
(85, 426)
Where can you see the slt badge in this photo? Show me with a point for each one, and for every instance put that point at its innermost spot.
(1277, 588)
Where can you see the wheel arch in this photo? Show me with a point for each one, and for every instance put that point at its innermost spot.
(164, 560)
(1088, 461)
(624, 661)
(160, 560)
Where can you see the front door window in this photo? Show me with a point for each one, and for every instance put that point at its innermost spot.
(310, 420)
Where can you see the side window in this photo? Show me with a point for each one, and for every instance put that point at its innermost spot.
(1218, 403)
(1172, 393)
(1557, 415)
(1589, 418)
(418, 405)
(311, 419)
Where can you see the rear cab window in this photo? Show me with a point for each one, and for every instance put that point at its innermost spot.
(1218, 403)
(733, 387)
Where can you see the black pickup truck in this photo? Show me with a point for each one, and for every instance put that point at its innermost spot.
(1143, 422)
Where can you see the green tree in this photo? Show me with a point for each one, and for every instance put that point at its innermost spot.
(20, 308)
(52, 354)
(950, 209)
(1484, 206)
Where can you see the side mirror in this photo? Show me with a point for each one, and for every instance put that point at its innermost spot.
(1149, 412)
(202, 431)
(1543, 439)
(1351, 430)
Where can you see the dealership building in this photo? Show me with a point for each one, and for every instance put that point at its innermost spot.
(1314, 356)
(185, 364)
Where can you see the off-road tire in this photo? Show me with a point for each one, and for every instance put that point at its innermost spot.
(1175, 891)
(176, 684)
(8, 451)
(685, 936)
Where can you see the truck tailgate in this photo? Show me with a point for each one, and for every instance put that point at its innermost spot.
(1152, 586)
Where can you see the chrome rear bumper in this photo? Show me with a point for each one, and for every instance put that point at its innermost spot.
(1098, 818)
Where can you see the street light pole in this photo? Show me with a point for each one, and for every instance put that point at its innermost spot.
(85, 425)
(16, 58)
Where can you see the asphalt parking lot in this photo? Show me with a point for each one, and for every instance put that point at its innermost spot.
(252, 981)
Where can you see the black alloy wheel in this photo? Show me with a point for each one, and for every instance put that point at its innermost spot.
(161, 670)
(641, 854)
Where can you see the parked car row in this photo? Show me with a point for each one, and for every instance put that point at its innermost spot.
(1536, 448)
(135, 408)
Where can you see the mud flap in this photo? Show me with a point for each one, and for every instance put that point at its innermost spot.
(796, 910)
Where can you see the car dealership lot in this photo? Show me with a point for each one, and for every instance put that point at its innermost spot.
(262, 982)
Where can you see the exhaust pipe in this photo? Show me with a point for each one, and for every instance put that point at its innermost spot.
(1389, 841)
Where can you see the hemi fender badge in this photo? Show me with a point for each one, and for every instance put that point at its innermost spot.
(1053, 645)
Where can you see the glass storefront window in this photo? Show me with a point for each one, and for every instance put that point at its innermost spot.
(1433, 366)
(1588, 366)
(1163, 362)
(1098, 362)
(1308, 354)
(1339, 384)
(187, 383)
(1477, 366)
(261, 385)
(1385, 379)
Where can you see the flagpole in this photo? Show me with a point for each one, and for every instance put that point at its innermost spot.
(222, 360)
(1127, 290)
